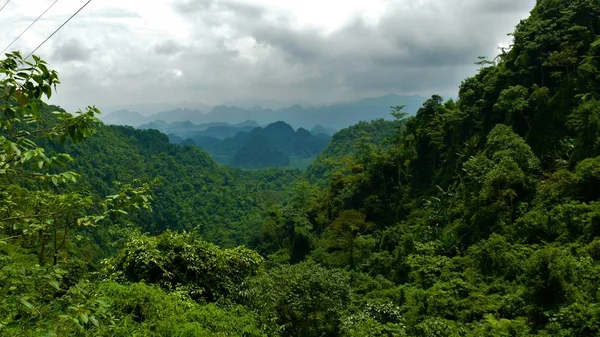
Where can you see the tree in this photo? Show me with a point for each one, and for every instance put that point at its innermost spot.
(185, 263)
(305, 299)
(39, 204)
(498, 180)
(344, 243)
(36, 200)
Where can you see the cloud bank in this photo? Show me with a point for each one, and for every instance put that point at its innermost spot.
(212, 51)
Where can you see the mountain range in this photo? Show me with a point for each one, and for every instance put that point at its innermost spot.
(336, 116)
(247, 146)
(188, 129)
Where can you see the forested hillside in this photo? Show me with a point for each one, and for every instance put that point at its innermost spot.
(247, 145)
(275, 145)
(349, 143)
(192, 191)
(475, 217)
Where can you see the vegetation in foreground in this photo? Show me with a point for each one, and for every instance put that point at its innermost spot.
(476, 217)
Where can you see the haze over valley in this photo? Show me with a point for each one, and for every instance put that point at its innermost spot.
(234, 136)
(336, 116)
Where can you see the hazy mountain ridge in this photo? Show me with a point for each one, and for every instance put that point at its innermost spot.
(256, 147)
(125, 117)
(336, 116)
(320, 129)
(184, 130)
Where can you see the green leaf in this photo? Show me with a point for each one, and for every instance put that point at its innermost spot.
(55, 284)
(84, 318)
(44, 70)
(48, 91)
(22, 75)
(28, 305)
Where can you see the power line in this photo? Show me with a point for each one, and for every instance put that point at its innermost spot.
(6, 3)
(57, 29)
(26, 29)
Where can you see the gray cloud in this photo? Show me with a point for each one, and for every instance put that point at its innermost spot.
(222, 50)
(113, 13)
(72, 50)
(168, 47)
(500, 6)
(427, 49)
(247, 11)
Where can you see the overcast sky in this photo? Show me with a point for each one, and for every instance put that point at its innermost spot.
(122, 52)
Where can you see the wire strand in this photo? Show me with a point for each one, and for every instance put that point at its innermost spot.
(57, 29)
(26, 29)
(6, 3)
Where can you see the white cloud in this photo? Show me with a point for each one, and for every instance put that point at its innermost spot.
(120, 52)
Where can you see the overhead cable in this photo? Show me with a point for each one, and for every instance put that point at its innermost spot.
(6, 3)
(26, 29)
(57, 29)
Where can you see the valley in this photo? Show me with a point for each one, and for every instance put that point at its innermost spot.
(472, 216)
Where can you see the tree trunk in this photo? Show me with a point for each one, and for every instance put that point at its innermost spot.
(351, 254)
(55, 256)
(43, 238)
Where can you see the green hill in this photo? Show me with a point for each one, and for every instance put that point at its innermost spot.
(474, 217)
(259, 152)
(194, 191)
(349, 142)
(274, 144)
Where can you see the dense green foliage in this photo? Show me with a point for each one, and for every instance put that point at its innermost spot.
(475, 217)
(193, 192)
(184, 263)
(348, 143)
(259, 152)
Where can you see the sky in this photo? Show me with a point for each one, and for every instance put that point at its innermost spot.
(117, 53)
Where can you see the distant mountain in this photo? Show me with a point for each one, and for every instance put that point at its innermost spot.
(247, 123)
(175, 139)
(259, 152)
(250, 103)
(340, 116)
(299, 143)
(337, 116)
(148, 109)
(156, 125)
(187, 129)
(179, 115)
(319, 129)
(205, 142)
(220, 132)
(124, 117)
(268, 143)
